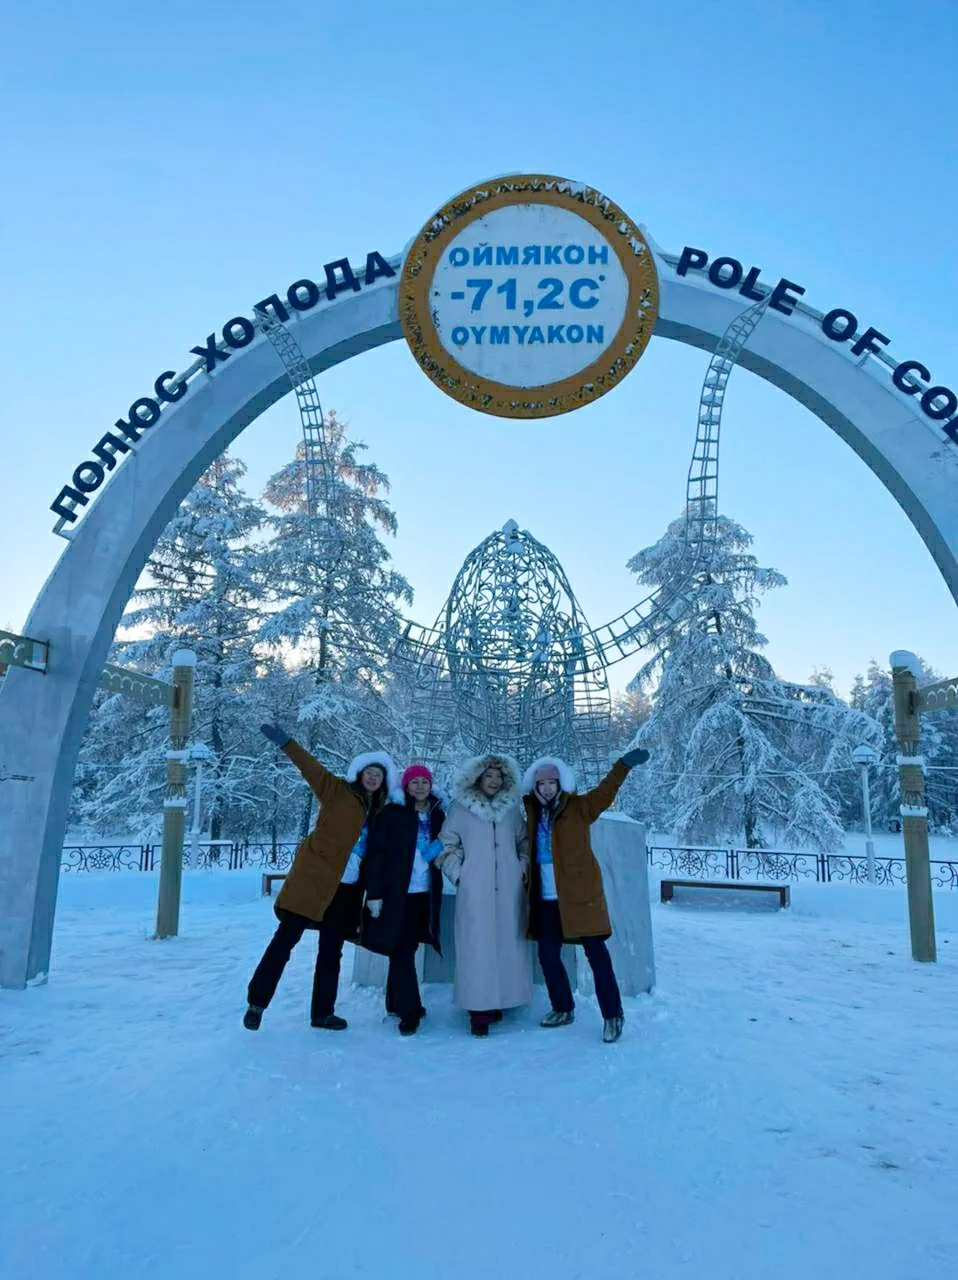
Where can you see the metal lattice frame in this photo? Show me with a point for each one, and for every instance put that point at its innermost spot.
(322, 487)
(479, 675)
(437, 656)
(327, 499)
(515, 662)
(645, 623)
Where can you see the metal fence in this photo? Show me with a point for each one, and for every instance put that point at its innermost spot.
(702, 863)
(689, 862)
(225, 855)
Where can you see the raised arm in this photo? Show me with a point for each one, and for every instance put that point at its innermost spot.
(322, 783)
(599, 798)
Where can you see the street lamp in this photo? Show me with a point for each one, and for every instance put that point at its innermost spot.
(863, 757)
(198, 754)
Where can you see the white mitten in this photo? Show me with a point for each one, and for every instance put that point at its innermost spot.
(375, 905)
(451, 868)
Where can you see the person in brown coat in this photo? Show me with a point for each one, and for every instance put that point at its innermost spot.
(566, 899)
(324, 888)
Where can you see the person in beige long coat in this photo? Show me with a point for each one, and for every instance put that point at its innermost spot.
(485, 855)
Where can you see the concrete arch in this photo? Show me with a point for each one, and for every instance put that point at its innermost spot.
(42, 719)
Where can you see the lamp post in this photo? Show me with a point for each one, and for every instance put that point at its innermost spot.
(198, 754)
(905, 671)
(174, 804)
(863, 757)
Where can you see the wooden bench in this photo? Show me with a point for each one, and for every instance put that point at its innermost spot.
(269, 879)
(668, 888)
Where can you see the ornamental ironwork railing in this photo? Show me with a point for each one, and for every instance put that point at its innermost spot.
(704, 863)
(691, 862)
(224, 855)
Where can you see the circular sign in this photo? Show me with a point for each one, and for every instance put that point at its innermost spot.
(528, 296)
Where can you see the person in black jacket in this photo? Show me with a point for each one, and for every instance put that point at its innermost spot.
(404, 890)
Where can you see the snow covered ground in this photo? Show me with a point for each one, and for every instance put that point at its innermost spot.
(782, 1107)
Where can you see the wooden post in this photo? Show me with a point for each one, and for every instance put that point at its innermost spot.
(174, 803)
(914, 812)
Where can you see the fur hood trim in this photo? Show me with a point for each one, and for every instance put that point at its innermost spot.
(567, 778)
(465, 792)
(383, 759)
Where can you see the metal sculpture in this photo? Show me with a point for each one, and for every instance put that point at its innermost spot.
(513, 641)
(511, 661)
(324, 495)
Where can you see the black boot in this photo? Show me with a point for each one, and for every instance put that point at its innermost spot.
(408, 1026)
(330, 1023)
(252, 1018)
(612, 1029)
(391, 1013)
(558, 1018)
(478, 1025)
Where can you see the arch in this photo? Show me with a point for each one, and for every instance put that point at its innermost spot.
(909, 454)
(42, 719)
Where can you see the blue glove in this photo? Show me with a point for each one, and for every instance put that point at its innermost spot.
(432, 850)
(276, 733)
(637, 756)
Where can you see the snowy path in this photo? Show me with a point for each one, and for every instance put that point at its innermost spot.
(783, 1107)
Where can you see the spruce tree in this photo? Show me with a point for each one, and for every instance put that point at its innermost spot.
(738, 753)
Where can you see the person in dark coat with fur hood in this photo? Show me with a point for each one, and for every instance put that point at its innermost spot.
(324, 887)
(567, 900)
(404, 890)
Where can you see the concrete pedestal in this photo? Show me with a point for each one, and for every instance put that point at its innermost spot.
(619, 845)
(369, 970)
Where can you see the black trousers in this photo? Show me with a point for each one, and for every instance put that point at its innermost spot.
(402, 984)
(553, 970)
(336, 924)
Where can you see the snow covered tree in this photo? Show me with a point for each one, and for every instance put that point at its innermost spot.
(342, 612)
(736, 750)
(822, 678)
(334, 598)
(202, 590)
(941, 782)
(630, 710)
(281, 633)
(872, 694)
(119, 781)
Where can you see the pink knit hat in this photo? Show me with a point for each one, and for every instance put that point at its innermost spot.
(546, 773)
(416, 771)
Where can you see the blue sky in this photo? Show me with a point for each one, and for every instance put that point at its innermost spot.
(167, 165)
